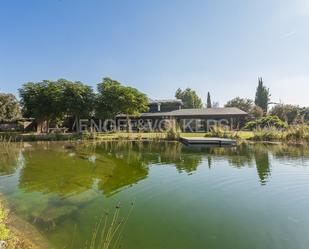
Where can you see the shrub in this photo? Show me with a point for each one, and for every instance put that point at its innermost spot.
(266, 122)
(222, 132)
(298, 133)
(267, 134)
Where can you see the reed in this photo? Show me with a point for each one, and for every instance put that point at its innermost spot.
(108, 230)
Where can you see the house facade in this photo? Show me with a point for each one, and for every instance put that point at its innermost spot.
(166, 113)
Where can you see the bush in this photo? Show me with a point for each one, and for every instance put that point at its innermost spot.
(222, 132)
(267, 134)
(266, 122)
(297, 134)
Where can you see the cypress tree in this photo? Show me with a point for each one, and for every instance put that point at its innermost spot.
(262, 95)
(208, 100)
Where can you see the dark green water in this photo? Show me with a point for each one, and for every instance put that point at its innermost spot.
(251, 196)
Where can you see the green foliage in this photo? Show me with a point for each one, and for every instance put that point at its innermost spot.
(78, 100)
(267, 134)
(298, 133)
(241, 103)
(9, 108)
(256, 112)
(222, 132)
(209, 105)
(288, 113)
(266, 122)
(52, 101)
(189, 98)
(4, 231)
(114, 99)
(262, 96)
(304, 114)
(42, 100)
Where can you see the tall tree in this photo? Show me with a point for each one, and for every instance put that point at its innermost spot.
(208, 100)
(78, 100)
(114, 98)
(288, 113)
(43, 101)
(9, 108)
(189, 98)
(246, 105)
(241, 103)
(262, 96)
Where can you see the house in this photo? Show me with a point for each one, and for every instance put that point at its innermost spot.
(170, 112)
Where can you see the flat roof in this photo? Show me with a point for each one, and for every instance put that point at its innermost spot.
(211, 112)
(164, 101)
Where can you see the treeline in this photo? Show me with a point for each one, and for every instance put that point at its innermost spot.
(259, 109)
(54, 101)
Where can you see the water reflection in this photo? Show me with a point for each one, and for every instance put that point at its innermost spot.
(10, 158)
(58, 185)
(73, 168)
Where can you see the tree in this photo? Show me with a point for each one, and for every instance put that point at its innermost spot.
(304, 114)
(43, 101)
(256, 112)
(189, 98)
(78, 100)
(262, 96)
(9, 108)
(243, 104)
(114, 99)
(208, 100)
(288, 113)
(215, 104)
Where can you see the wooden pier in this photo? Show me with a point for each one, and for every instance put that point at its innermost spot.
(208, 141)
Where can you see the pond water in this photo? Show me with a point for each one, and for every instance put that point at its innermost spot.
(250, 196)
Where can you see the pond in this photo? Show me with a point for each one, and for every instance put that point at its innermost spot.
(170, 196)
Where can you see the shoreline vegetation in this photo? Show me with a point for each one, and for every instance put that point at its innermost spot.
(15, 233)
(298, 134)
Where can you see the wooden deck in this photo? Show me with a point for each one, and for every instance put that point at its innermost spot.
(208, 141)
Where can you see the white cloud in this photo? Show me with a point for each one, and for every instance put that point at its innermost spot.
(289, 34)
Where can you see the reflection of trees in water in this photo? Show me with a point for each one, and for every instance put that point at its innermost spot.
(67, 169)
(153, 153)
(262, 162)
(73, 171)
(10, 158)
(288, 152)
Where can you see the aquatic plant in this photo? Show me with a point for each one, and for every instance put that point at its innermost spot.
(107, 232)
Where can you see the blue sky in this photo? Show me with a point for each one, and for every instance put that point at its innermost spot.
(157, 46)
